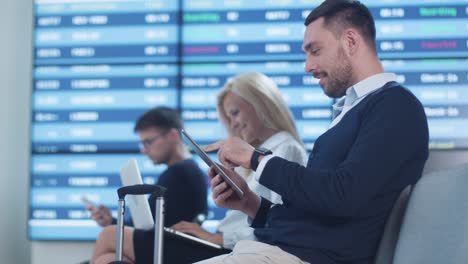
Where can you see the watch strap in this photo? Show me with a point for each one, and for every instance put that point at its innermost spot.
(256, 154)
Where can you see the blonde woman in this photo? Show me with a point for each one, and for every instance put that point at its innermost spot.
(251, 107)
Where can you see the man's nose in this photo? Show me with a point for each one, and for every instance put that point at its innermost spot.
(310, 65)
(143, 150)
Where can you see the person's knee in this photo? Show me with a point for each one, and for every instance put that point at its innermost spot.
(107, 238)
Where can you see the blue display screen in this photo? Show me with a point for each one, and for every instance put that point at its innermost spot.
(100, 64)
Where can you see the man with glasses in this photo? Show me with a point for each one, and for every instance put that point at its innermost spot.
(185, 198)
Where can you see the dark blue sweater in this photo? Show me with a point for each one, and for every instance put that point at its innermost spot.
(334, 210)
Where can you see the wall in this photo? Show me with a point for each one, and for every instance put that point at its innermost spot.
(15, 96)
(15, 53)
(443, 159)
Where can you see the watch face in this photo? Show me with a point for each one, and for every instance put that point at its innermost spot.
(263, 151)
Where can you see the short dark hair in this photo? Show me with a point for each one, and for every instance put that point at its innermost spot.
(341, 14)
(159, 117)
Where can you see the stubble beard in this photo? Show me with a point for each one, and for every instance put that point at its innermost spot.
(340, 78)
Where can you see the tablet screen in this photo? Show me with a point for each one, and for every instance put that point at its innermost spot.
(211, 163)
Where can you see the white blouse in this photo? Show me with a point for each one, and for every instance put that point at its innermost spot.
(234, 225)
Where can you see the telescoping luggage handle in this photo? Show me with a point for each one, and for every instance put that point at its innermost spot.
(140, 189)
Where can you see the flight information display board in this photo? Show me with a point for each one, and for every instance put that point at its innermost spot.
(76, 32)
(441, 86)
(99, 64)
(238, 30)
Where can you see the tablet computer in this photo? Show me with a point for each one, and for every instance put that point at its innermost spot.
(211, 163)
(181, 235)
(138, 204)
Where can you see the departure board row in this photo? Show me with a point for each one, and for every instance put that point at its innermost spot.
(216, 31)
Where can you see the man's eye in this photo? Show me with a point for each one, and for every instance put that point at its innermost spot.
(314, 52)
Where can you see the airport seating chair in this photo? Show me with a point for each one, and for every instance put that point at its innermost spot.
(429, 222)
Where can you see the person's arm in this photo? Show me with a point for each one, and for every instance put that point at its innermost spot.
(290, 150)
(224, 195)
(391, 133)
(232, 152)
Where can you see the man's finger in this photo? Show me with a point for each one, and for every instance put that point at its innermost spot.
(214, 146)
(220, 188)
(222, 197)
(215, 181)
(212, 172)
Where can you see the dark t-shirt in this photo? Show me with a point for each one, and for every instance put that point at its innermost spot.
(185, 198)
(186, 192)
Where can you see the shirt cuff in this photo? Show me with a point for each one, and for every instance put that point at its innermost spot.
(231, 237)
(261, 166)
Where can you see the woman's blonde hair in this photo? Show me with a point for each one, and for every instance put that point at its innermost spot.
(262, 93)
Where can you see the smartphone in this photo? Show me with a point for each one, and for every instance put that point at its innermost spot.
(217, 167)
(87, 202)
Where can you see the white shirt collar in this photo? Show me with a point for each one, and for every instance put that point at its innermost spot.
(373, 83)
(367, 86)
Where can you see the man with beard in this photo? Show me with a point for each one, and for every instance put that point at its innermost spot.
(334, 209)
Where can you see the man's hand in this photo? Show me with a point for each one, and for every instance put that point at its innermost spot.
(100, 214)
(196, 230)
(224, 195)
(233, 152)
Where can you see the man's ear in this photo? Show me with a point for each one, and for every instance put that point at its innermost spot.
(174, 134)
(351, 40)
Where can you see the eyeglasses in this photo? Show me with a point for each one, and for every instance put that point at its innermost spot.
(146, 143)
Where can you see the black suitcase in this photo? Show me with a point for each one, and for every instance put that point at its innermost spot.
(140, 189)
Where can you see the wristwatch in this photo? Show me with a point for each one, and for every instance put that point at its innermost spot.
(257, 153)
